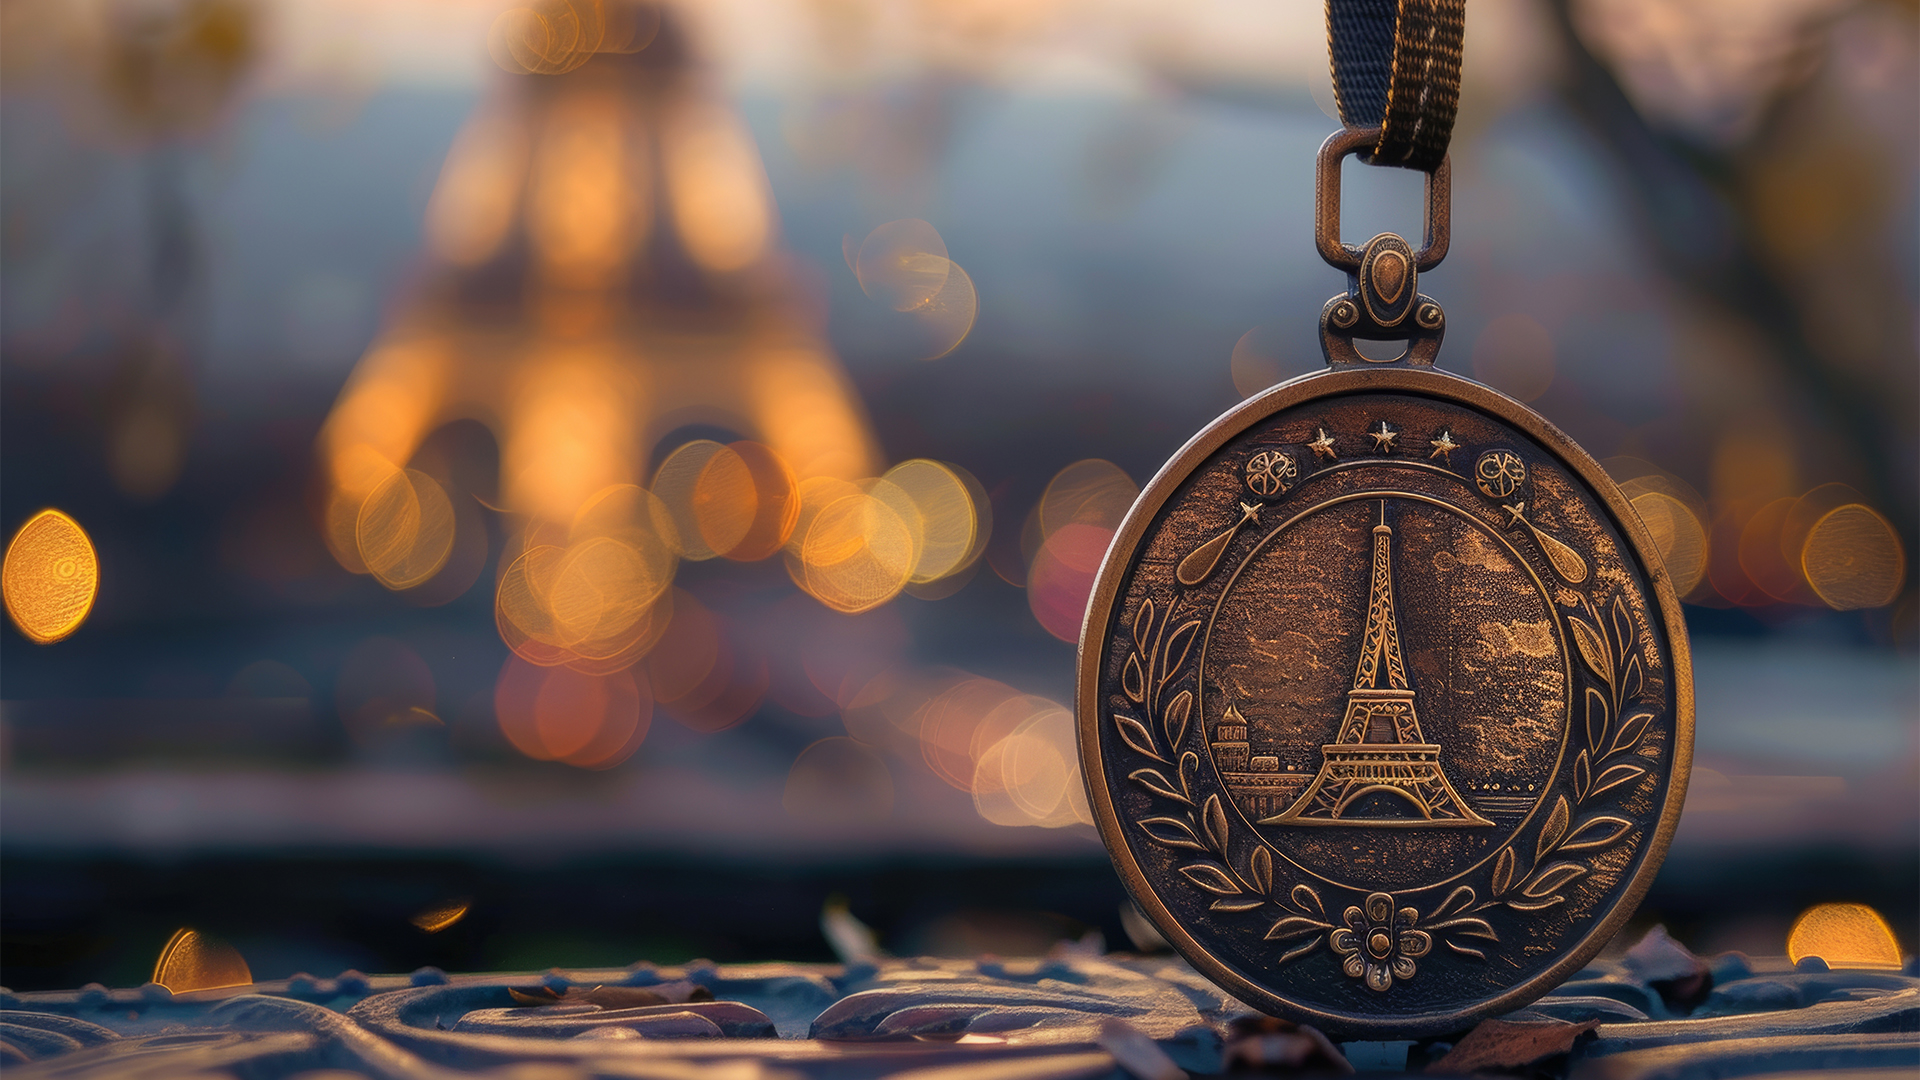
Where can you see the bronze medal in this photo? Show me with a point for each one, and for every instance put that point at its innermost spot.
(1385, 706)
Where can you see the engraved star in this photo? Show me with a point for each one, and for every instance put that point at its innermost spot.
(1249, 512)
(1443, 447)
(1516, 510)
(1383, 439)
(1323, 446)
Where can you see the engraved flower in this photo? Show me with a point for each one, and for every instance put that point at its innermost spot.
(1379, 943)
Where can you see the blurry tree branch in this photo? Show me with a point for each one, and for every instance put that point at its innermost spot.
(1705, 237)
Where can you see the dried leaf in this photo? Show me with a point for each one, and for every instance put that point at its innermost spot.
(1132, 681)
(1214, 816)
(1592, 649)
(1211, 878)
(1261, 863)
(1598, 715)
(1293, 926)
(1502, 871)
(1630, 731)
(1553, 878)
(1508, 1046)
(1171, 832)
(1553, 830)
(1136, 735)
(1616, 776)
(1597, 832)
(1237, 905)
(1156, 783)
(1179, 643)
(1176, 718)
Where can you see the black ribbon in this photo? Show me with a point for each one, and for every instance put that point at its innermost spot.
(1396, 66)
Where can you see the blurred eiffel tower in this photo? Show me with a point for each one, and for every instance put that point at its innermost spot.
(1380, 749)
(604, 273)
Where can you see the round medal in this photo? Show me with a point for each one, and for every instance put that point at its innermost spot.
(1384, 701)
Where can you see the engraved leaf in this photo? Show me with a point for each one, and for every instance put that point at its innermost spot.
(1156, 783)
(1597, 833)
(1624, 635)
(1536, 905)
(1179, 643)
(1176, 718)
(1171, 832)
(1630, 679)
(1552, 878)
(1630, 731)
(1582, 777)
(1467, 927)
(1597, 716)
(1592, 649)
(1464, 951)
(1299, 951)
(1502, 871)
(1214, 816)
(1293, 926)
(1457, 900)
(1616, 776)
(1211, 878)
(1305, 899)
(1132, 682)
(1142, 626)
(1262, 866)
(1237, 905)
(1189, 766)
(1553, 830)
(1136, 735)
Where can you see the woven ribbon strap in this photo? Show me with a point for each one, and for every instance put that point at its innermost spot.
(1396, 66)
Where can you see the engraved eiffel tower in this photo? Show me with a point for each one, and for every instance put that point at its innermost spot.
(1380, 749)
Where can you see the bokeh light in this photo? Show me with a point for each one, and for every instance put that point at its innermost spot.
(440, 916)
(1854, 559)
(194, 961)
(904, 265)
(405, 529)
(1031, 776)
(50, 577)
(839, 780)
(858, 554)
(593, 721)
(1256, 362)
(1845, 936)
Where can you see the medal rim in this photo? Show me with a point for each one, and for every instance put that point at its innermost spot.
(1454, 389)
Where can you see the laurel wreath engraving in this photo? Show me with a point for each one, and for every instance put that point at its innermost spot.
(1609, 648)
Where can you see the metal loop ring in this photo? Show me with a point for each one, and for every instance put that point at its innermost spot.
(1326, 202)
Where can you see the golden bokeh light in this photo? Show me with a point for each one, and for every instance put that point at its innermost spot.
(839, 780)
(951, 726)
(405, 529)
(195, 961)
(1845, 936)
(946, 320)
(1677, 531)
(1760, 555)
(1255, 362)
(677, 481)
(1515, 354)
(1853, 558)
(50, 577)
(1032, 775)
(598, 604)
(592, 721)
(1089, 492)
(722, 208)
(902, 264)
(858, 554)
(939, 506)
(473, 204)
(440, 916)
(553, 37)
(589, 206)
(776, 502)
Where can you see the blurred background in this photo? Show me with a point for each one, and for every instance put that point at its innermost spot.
(594, 481)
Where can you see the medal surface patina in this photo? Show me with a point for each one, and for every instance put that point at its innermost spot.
(1385, 709)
